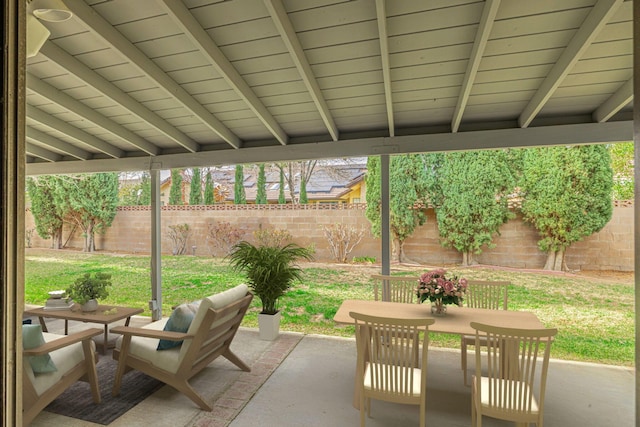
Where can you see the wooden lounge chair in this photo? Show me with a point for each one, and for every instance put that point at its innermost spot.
(73, 357)
(210, 334)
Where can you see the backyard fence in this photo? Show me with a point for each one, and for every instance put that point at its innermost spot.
(516, 246)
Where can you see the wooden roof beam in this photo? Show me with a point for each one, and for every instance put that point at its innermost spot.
(53, 142)
(290, 39)
(41, 153)
(595, 21)
(194, 31)
(611, 106)
(54, 95)
(79, 135)
(99, 26)
(484, 29)
(108, 89)
(381, 14)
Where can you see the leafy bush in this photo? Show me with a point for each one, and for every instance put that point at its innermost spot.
(222, 237)
(179, 234)
(274, 237)
(342, 239)
(364, 259)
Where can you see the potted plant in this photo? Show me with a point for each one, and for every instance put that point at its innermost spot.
(270, 270)
(86, 290)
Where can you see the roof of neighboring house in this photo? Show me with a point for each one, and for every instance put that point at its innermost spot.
(329, 181)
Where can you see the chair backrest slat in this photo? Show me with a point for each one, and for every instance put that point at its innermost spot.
(487, 294)
(395, 288)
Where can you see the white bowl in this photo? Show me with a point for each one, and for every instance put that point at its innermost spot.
(57, 294)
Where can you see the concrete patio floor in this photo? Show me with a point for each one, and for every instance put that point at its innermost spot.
(307, 380)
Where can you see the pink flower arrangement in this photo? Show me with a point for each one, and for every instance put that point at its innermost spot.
(436, 287)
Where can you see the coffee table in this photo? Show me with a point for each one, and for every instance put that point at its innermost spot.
(104, 314)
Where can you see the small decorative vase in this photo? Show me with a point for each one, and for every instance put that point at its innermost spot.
(91, 305)
(438, 308)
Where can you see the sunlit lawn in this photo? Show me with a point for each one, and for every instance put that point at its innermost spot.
(594, 316)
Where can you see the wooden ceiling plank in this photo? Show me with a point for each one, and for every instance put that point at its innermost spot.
(383, 36)
(90, 77)
(615, 103)
(290, 39)
(64, 100)
(53, 142)
(101, 27)
(595, 21)
(484, 29)
(212, 52)
(74, 132)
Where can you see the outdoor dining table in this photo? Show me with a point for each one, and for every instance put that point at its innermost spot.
(456, 321)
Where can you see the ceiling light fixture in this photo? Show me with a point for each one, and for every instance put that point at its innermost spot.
(50, 10)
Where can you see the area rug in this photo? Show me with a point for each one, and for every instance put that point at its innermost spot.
(77, 402)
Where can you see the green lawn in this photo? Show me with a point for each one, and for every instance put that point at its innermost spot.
(594, 315)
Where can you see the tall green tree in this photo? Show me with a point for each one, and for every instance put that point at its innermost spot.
(195, 190)
(90, 201)
(304, 199)
(175, 193)
(281, 199)
(261, 194)
(209, 196)
(138, 194)
(567, 196)
(407, 187)
(239, 195)
(622, 165)
(471, 199)
(49, 219)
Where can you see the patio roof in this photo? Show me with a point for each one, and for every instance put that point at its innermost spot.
(163, 84)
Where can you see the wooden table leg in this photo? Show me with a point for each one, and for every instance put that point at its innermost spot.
(43, 324)
(105, 342)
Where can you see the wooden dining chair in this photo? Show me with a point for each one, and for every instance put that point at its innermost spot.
(388, 372)
(505, 386)
(481, 294)
(395, 288)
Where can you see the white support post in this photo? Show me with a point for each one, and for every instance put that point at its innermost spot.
(385, 229)
(155, 305)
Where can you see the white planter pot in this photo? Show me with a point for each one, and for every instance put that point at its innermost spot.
(91, 305)
(269, 326)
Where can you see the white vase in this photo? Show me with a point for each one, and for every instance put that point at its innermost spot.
(91, 305)
(269, 326)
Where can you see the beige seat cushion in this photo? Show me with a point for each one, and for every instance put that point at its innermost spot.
(64, 359)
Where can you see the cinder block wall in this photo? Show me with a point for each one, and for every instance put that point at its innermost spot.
(610, 249)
